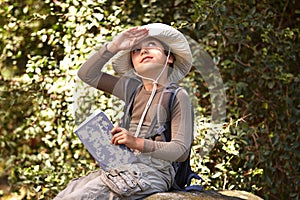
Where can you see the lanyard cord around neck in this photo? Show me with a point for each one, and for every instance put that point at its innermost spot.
(155, 82)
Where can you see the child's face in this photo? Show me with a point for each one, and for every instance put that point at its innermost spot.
(149, 56)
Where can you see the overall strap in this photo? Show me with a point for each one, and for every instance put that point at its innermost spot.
(128, 107)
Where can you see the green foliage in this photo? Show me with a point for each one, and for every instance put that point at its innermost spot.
(255, 45)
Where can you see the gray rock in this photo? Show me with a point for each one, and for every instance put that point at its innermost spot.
(205, 195)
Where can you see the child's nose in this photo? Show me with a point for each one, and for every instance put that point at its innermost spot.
(144, 50)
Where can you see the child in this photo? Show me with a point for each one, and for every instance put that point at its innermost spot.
(147, 59)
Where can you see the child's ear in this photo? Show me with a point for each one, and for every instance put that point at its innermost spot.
(171, 59)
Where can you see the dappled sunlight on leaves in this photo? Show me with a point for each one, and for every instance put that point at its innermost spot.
(254, 45)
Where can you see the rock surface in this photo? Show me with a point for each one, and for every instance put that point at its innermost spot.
(205, 195)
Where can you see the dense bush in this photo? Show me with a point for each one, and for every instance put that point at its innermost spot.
(255, 45)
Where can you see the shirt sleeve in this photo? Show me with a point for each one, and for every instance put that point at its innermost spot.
(182, 133)
(91, 73)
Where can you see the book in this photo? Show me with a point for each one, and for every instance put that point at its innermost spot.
(95, 134)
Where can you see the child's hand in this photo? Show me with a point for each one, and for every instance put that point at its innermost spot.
(122, 136)
(127, 39)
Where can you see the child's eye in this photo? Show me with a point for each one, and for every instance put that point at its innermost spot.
(151, 44)
(136, 51)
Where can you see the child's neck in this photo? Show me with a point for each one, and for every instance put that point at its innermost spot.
(148, 85)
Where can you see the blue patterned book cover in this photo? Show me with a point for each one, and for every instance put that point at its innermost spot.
(95, 134)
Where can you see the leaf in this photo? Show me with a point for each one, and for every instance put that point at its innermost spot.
(216, 175)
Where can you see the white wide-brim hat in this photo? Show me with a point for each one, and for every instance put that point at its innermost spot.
(171, 37)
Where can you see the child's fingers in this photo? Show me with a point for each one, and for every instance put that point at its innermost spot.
(115, 130)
